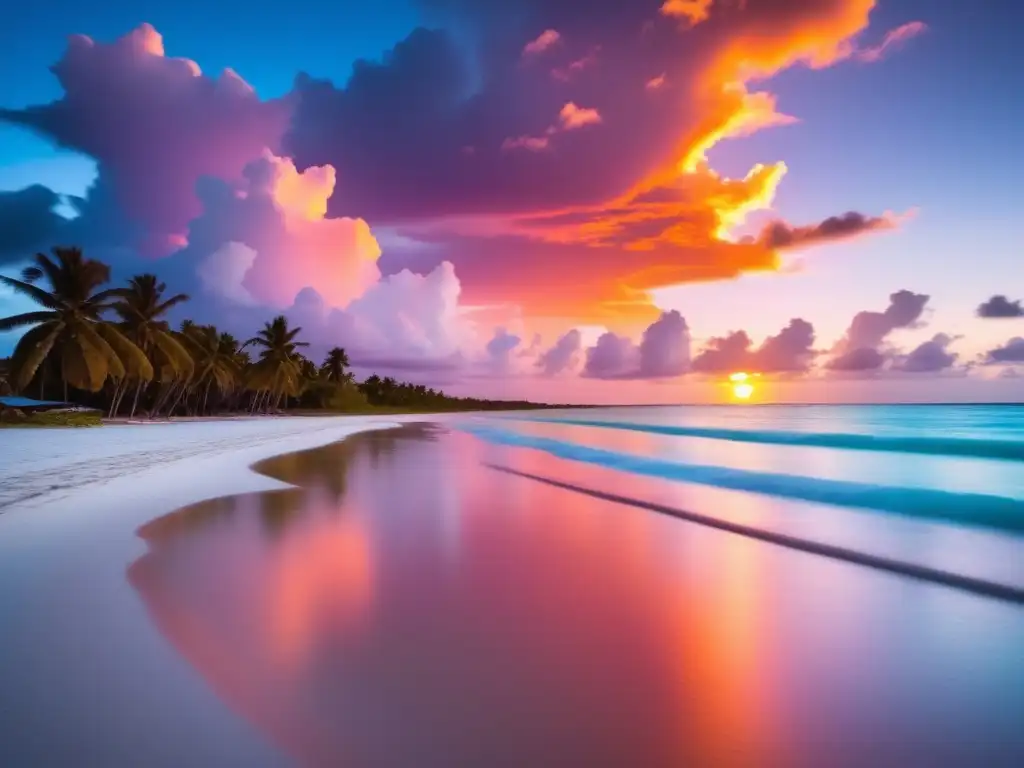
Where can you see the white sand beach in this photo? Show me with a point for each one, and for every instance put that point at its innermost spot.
(71, 501)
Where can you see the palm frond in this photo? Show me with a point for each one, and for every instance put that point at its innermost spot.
(174, 301)
(135, 363)
(31, 274)
(31, 351)
(33, 292)
(26, 318)
(49, 267)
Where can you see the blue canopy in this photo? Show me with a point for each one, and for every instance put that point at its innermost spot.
(26, 402)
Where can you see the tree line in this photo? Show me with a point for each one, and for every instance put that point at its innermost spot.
(113, 349)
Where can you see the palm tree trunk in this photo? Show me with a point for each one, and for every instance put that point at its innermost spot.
(65, 388)
(135, 401)
(177, 400)
(122, 391)
(113, 400)
(161, 398)
(206, 396)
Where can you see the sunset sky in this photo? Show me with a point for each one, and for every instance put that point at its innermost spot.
(566, 200)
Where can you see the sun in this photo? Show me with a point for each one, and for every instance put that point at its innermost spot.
(742, 389)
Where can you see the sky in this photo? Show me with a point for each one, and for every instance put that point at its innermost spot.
(603, 201)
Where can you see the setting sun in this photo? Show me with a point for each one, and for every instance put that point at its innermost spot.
(742, 388)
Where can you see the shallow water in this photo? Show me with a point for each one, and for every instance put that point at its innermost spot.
(408, 605)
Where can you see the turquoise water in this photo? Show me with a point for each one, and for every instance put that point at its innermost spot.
(957, 464)
(939, 487)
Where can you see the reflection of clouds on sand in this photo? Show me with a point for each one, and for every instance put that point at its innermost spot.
(436, 612)
(319, 583)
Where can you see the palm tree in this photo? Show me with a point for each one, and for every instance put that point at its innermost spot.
(213, 355)
(69, 330)
(335, 367)
(141, 308)
(278, 373)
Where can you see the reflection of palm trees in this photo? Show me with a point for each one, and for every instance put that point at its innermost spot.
(278, 509)
(191, 519)
(322, 470)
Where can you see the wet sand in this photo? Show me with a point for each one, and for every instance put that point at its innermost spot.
(404, 605)
(407, 606)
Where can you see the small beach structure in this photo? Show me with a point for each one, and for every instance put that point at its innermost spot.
(28, 405)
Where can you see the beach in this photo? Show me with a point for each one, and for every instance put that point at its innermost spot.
(267, 593)
(77, 652)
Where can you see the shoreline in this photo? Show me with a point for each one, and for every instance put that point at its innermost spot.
(86, 534)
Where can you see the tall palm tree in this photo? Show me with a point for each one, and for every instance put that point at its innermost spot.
(69, 331)
(335, 367)
(214, 361)
(278, 372)
(141, 309)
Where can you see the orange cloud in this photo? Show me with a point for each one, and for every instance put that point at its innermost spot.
(692, 11)
(893, 38)
(680, 216)
(544, 41)
(572, 117)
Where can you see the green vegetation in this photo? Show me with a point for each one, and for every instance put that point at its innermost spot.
(50, 419)
(113, 349)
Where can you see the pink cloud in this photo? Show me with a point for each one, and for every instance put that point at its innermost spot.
(268, 237)
(656, 82)
(155, 125)
(532, 143)
(893, 38)
(403, 321)
(573, 68)
(542, 42)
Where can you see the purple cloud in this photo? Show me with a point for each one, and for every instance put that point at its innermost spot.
(665, 347)
(664, 351)
(500, 350)
(789, 351)
(1000, 307)
(1011, 352)
(29, 222)
(861, 359)
(612, 357)
(779, 234)
(931, 356)
(859, 349)
(563, 356)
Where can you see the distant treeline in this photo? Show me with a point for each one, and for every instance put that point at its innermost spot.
(112, 349)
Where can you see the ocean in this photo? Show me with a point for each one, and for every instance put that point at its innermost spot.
(939, 486)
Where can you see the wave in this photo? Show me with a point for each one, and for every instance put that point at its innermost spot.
(1005, 450)
(969, 509)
